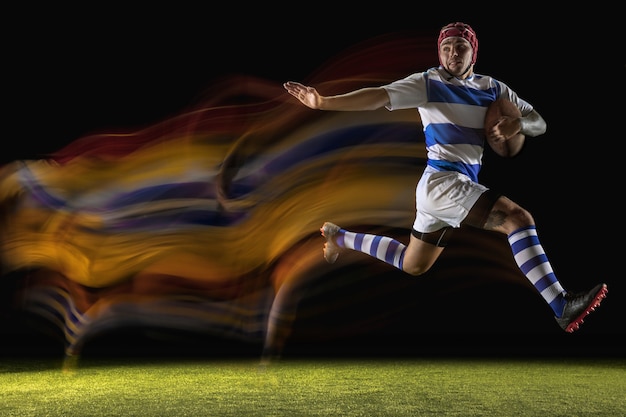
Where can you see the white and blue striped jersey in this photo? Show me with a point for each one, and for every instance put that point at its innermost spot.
(453, 114)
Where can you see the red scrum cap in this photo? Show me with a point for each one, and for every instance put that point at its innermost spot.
(461, 30)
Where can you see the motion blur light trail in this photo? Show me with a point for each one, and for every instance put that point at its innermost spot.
(209, 221)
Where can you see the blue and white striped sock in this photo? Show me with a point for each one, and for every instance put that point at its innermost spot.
(533, 262)
(381, 247)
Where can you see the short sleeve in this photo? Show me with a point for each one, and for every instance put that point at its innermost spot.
(407, 93)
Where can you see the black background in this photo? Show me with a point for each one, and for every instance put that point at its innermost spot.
(72, 72)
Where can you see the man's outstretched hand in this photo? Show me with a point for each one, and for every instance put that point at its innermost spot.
(307, 95)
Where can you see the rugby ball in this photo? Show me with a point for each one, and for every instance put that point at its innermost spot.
(503, 107)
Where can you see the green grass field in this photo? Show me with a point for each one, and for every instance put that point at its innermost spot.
(314, 387)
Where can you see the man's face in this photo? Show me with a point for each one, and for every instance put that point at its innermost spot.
(455, 54)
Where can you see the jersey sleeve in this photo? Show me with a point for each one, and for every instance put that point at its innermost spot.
(407, 93)
(506, 92)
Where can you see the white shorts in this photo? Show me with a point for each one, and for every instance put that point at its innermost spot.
(443, 199)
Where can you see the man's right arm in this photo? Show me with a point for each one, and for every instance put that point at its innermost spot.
(369, 98)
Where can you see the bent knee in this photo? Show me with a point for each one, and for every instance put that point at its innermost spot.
(521, 217)
(416, 269)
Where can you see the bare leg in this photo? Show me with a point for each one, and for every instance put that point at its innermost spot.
(420, 256)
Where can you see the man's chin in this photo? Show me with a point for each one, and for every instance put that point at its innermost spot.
(458, 70)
